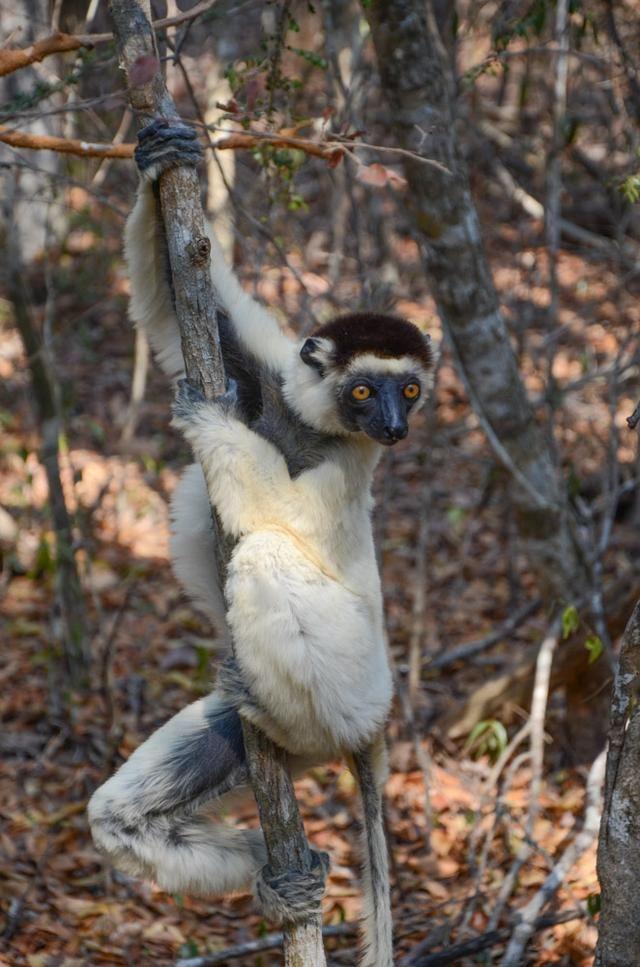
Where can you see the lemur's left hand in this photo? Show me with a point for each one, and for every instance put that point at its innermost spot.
(189, 400)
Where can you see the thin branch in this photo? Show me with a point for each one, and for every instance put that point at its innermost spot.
(514, 955)
(272, 941)
(491, 938)
(634, 419)
(554, 180)
(48, 142)
(60, 43)
(471, 648)
(331, 151)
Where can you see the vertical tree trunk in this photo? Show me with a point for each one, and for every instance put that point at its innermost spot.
(416, 82)
(69, 596)
(196, 311)
(619, 843)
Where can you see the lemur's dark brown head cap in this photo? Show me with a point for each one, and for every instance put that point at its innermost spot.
(389, 337)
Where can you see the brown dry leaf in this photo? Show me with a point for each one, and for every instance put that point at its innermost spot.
(378, 176)
(163, 932)
(437, 890)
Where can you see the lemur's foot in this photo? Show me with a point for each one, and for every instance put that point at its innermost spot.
(189, 400)
(292, 897)
(165, 144)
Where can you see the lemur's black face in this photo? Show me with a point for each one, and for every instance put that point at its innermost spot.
(379, 405)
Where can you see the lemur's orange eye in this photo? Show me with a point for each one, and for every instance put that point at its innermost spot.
(361, 392)
(411, 391)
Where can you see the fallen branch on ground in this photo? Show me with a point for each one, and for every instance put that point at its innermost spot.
(471, 648)
(272, 941)
(491, 938)
(514, 955)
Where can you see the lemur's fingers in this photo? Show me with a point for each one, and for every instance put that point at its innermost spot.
(189, 398)
(165, 144)
(229, 398)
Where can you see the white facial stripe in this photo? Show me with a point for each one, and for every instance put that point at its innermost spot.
(387, 366)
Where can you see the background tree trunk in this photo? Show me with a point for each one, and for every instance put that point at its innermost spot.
(74, 639)
(416, 82)
(619, 843)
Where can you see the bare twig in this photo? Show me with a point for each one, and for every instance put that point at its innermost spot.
(138, 384)
(535, 729)
(514, 956)
(60, 43)
(634, 419)
(535, 209)
(491, 938)
(538, 715)
(554, 176)
(272, 941)
(48, 142)
(471, 648)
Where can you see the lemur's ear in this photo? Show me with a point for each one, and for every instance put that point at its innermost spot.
(316, 352)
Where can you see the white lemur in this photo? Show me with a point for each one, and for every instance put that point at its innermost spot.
(288, 455)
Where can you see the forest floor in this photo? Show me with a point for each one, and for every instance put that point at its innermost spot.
(451, 573)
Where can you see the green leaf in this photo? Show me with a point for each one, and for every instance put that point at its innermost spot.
(45, 562)
(488, 738)
(189, 949)
(594, 903)
(570, 620)
(594, 646)
(310, 56)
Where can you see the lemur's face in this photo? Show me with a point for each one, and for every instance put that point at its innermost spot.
(379, 403)
(376, 370)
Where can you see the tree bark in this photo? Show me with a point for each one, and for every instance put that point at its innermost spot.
(416, 82)
(196, 310)
(619, 843)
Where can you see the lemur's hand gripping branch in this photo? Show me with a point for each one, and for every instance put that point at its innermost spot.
(196, 311)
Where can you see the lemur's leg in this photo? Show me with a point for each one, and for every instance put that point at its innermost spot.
(192, 547)
(153, 818)
(246, 475)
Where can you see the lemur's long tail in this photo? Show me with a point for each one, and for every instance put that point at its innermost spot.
(193, 551)
(371, 768)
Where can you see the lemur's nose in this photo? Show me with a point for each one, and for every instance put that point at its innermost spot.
(396, 432)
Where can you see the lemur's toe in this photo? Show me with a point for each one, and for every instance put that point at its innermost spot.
(166, 144)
